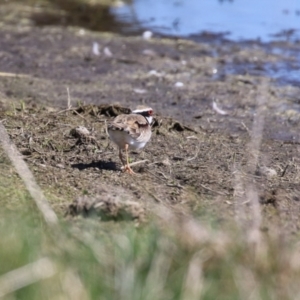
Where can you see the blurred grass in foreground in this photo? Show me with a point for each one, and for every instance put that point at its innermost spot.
(166, 258)
(88, 259)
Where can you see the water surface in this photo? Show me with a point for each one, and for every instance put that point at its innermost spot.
(240, 19)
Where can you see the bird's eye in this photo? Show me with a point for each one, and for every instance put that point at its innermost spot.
(150, 112)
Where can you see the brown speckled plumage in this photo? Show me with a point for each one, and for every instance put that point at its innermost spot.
(131, 131)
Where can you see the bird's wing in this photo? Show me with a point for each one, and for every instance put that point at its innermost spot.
(133, 124)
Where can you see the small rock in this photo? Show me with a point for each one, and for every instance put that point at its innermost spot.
(269, 172)
(107, 52)
(96, 50)
(147, 35)
(80, 132)
(81, 31)
(166, 162)
(179, 84)
(155, 73)
(149, 52)
(140, 91)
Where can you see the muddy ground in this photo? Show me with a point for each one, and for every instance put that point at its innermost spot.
(201, 161)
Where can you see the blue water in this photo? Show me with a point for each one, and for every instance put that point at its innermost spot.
(241, 19)
(235, 20)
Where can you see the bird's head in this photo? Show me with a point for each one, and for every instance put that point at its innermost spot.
(145, 111)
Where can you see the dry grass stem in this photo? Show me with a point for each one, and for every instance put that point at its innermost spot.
(245, 191)
(158, 273)
(69, 98)
(239, 196)
(26, 275)
(28, 178)
(72, 286)
(136, 163)
(5, 74)
(246, 283)
(193, 283)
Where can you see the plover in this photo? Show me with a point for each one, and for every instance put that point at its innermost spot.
(131, 132)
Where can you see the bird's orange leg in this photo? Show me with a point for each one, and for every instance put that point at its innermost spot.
(121, 157)
(127, 167)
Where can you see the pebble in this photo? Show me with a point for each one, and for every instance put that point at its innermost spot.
(147, 35)
(179, 84)
(96, 50)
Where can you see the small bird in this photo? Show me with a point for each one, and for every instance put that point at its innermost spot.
(131, 132)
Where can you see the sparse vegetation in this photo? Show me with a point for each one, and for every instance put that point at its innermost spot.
(164, 259)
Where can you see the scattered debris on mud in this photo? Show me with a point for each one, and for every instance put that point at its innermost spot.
(191, 172)
(58, 95)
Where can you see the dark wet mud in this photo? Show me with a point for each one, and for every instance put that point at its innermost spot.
(219, 136)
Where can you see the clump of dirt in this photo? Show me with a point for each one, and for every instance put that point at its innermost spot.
(108, 204)
(104, 109)
(83, 135)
